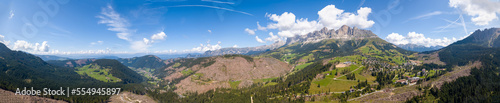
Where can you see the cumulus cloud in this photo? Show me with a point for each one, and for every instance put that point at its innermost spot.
(273, 37)
(331, 17)
(289, 26)
(26, 46)
(250, 31)
(115, 22)
(418, 39)
(207, 47)
(259, 40)
(260, 27)
(159, 36)
(482, 11)
(210, 31)
(395, 38)
(145, 43)
(235, 46)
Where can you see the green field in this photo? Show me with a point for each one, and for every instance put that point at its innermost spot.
(187, 72)
(97, 72)
(332, 85)
(352, 58)
(299, 67)
(234, 84)
(341, 84)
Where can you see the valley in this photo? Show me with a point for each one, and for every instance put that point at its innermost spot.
(352, 68)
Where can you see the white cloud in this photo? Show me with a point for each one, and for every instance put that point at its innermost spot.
(249, 31)
(210, 31)
(145, 43)
(482, 11)
(272, 37)
(235, 46)
(203, 48)
(159, 36)
(115, 22)
(259, 40)
(289, 26)
(96, 43)
(2, 40)
(330, 17)
(26, 46)
(418, 39)
(11, 14)
(140, 45)
(395, 38)
(260, 27)
(57, 52)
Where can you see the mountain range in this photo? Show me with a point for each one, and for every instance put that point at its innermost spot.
(303, 67)
(418, 48)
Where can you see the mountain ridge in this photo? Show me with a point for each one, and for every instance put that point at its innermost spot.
(344, 33)
(486, 37)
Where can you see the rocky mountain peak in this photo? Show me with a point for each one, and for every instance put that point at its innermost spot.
(487, 37)
(345, 33)
(344, 30)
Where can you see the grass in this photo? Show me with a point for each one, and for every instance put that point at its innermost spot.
(97, 72)
(352, 58)
(234, 84)
(332, 85)
(176, 65)
(341, 84)
(187, 72)
(270, 84)
(300, 67)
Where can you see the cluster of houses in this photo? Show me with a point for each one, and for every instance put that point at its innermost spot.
(424, 72)
(349, 63)
(409, 80)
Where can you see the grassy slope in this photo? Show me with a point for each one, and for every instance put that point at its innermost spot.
(97, 72)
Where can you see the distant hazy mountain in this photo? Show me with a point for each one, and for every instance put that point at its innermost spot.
(71, 62)
(418, 48)
(244, 51)
(52, 57)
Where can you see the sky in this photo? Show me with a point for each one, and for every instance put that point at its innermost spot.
(69, 27)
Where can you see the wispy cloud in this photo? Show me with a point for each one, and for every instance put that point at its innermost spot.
(96, 43)
(221, 2)
(11, 14)
(215, 7)
(427, 15)
(115, 22)
(118, 24)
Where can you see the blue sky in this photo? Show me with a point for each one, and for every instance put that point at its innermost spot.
(194, 26)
